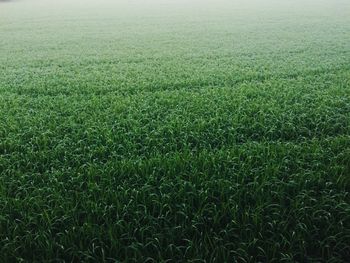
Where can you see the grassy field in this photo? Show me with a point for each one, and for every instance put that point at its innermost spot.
(175, 131)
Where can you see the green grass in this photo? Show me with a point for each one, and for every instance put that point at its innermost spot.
(174, 131)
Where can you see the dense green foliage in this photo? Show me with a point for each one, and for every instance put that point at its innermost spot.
(215, 131)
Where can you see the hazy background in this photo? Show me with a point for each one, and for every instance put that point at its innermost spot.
(231, 37)
(236, 23)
